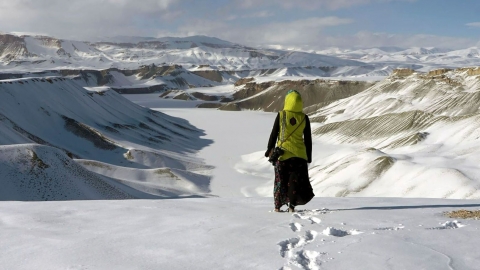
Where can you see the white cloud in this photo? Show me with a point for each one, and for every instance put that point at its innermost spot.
(310, 4)
(82, 18)
(299, 32)
(260, 14)
(473, 24)
(369, 39)
(419, 40)
(308, 34)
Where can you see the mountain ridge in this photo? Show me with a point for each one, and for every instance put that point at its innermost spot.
(41, 52)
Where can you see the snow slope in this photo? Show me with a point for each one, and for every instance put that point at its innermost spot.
(227, 233)
(43, 173)
(100, 129)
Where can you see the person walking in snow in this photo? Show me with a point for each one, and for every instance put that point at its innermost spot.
(293, 137)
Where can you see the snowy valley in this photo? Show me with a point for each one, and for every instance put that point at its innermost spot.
(149, 154)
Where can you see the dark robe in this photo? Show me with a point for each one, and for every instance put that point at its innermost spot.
(292, 183)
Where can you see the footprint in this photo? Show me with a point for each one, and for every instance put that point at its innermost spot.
(296, 227)
(322, 211)
(296, 215)
(390, 228)
(315, 220)
(448, 225)
(335, 232)
(292, 249)
(339, 233)
(287, 246)
(307, 259)
(310, 236)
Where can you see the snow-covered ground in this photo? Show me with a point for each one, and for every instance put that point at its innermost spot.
(238, 233)
(226, 230)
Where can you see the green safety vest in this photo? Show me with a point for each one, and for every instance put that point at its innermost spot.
(292, 121)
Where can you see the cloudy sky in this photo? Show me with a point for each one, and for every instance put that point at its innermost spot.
(301, 24)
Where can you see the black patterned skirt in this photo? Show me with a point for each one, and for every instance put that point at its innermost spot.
(292, 184)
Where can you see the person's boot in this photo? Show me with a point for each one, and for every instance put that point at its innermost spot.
(291, 208)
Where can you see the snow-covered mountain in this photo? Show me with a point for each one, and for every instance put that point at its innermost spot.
(420, 58)
(39, 53)
(19, 53)
(145, 65)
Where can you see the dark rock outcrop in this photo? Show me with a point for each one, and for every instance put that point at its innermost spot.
(270, 95)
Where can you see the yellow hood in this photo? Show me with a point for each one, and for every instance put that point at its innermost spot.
(293, 102)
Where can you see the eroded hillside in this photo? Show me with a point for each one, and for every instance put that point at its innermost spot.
(92, 127)
(268, 96)
(411, 135)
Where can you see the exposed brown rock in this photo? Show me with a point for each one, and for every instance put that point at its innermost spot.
(230, 107)
(438, 72)
(464, 214)
(403, 72)
(166, 93)
(88, 133)
(212, 75)
(7, 38)
(50, 42)
(205, 97)
(210, 105)
(243, 81)
(12, 46)
(317, 92)
(183, 96)
(252, 88)
(472, 71)
(147, 72)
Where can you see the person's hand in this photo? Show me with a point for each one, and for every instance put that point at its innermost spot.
(267, 154)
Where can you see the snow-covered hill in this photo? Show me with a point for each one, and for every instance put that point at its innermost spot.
(43, 173)
(98, 129)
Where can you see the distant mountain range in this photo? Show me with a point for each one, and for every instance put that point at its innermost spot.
(20, 53)
(425, 59)
(38, 53)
